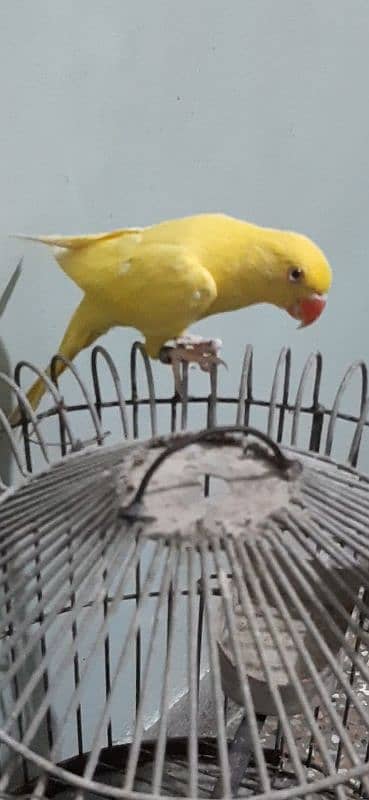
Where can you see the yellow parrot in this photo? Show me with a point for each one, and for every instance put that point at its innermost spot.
(162, 278)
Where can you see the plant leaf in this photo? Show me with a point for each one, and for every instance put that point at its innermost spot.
(7, 293)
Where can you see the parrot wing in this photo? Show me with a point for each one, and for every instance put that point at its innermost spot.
(157, 288)
(161, 289)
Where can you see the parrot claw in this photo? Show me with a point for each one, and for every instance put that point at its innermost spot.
(191, 350)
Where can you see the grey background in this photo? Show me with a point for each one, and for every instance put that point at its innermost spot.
(123, 113)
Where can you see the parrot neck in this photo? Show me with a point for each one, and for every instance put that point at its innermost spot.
(249, 277)
(257, 275)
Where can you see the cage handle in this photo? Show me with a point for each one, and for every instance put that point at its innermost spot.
(221, 436)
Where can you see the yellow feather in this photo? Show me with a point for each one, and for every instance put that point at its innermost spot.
(74, 242)
(163, 278)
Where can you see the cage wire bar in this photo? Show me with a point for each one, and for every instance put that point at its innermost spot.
(68, 583)
(280, 406)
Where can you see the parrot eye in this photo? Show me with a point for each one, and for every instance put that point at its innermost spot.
(295, 274)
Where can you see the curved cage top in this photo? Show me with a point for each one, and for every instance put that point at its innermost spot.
(120, 640)
(294, 410)
(126, 665)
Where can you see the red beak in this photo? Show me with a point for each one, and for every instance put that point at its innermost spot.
(308, 309)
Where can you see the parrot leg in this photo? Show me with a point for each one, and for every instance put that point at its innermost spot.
(191, 350)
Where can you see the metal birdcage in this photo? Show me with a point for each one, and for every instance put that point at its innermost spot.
(186, 614)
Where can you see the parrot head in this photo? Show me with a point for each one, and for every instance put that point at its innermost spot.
(301, 276)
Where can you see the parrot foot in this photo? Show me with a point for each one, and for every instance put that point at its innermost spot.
(191, 350)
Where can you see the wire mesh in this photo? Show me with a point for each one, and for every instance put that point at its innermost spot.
(113, 676)
(294, 412)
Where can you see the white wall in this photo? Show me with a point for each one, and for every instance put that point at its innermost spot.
(121, 113)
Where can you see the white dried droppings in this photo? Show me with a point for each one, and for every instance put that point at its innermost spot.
(124, 268)
(196, 295)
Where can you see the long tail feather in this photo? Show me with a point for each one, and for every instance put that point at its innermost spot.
(75, 242)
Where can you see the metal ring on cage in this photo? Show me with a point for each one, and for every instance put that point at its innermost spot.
(245, 389)
(56, 396)
(314, 359)
(99, 350)
(284, 360)
(139, 348)
(361, 367)
(67, 363)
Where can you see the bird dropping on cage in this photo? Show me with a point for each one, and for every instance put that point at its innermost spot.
(248, 485)
(250, 496)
